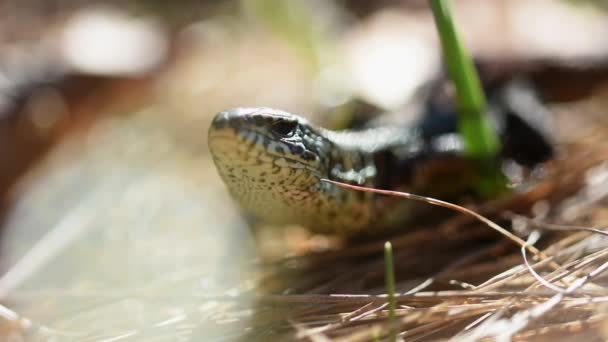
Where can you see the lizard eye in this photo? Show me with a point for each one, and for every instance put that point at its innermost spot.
(285, 128)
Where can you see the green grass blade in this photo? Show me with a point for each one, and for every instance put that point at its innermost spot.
(480, 139)
(389, 277)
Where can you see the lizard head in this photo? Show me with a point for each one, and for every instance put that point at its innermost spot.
(270, 160)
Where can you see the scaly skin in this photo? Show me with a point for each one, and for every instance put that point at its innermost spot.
(272, 163)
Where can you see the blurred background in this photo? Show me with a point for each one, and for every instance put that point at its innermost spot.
(114, 223)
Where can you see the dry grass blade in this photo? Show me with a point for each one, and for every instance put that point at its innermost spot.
(556, 227)
(533, 238)
(454, 207)
(496, 327)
